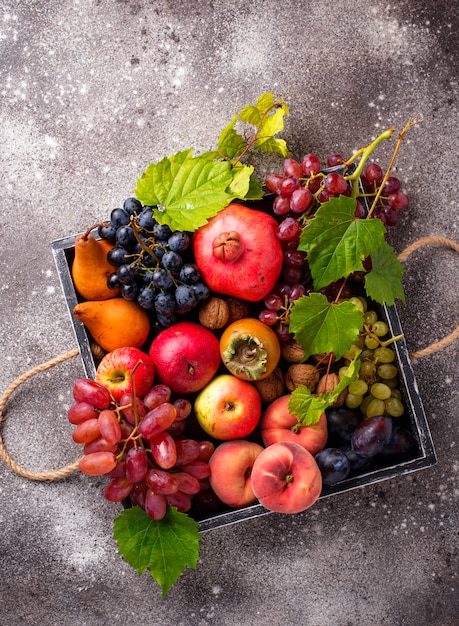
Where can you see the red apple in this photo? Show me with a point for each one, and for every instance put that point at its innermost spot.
(286, 478)
(186, 356)
(228, 408)
(230, 471)
(115, 369)
(277, 424)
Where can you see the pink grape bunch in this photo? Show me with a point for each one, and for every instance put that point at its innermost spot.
(304, 186)
(140, 444)
(299, 192)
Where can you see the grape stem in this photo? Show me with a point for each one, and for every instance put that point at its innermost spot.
(364, 153)
(383, 344)
(414, 121)
(142, 244)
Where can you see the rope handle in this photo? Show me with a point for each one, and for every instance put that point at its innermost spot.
(420, 243)
(70, 469)
(40, 476)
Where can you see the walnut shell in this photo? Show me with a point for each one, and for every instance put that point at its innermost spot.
(292, 352)
(328, 382)
(301, 374)
(271, 387)
(214, 313)
(238, 310)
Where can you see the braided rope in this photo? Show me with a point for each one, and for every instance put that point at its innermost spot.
(70, 469)
(416, 245)
(51, 475)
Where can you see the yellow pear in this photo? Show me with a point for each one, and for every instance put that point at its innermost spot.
(114, 323)
(90, 268)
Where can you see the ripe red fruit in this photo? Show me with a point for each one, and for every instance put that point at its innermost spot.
(238, 254)
(186, 356)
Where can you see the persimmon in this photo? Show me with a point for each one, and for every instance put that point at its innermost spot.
(249, 349)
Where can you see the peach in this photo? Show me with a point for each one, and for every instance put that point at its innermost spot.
(230, 471)
(286, 478)
(278, 424)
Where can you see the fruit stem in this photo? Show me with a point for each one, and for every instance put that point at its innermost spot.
(88, 232)
(134, 394)
(386, 343)
(289, 478)
(365, 153)
(142, 244)
(416, 119)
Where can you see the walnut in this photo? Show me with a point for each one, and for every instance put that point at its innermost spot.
(292, 352)
(214, 313)
(272, 386)
(238, 310)
(328, 382)
(301, 374)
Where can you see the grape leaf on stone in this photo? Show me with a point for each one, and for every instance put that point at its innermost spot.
(337, 243)
(384, 282)
(268, 116)
(322, 327)
(230, 143)
(165, 547)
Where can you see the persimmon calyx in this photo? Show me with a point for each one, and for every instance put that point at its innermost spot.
(245, 354)
(227, 246)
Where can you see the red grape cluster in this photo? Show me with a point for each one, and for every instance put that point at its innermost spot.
(391, 200)
(300, 190)
(141, 446)
(304, 186)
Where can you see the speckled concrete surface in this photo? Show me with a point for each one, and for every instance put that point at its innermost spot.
(91, 92)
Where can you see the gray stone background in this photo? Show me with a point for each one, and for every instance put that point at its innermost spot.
(91, 92)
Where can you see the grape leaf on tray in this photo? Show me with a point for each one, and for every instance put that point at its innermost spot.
(165, 547)
(321, 327)
(337, 243)
(384, 282)
(189, 190)
(308, 408)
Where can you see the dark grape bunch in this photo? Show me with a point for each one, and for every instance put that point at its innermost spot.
(304, 186)
(152, 263)
(140, 444)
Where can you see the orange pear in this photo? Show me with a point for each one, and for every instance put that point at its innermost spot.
(90, 268)
(114, 323)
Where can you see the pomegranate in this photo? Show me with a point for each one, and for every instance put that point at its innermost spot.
(238, 253)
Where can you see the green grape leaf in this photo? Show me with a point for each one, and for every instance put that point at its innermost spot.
(253, 114)
(308, 408)
(165, 547)
(268, 116)
(273, 144)
(230, 143)
(240, 184)
(189, 190)
(384, 282)
(321, 327)
(256, 191)
(336, 242)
